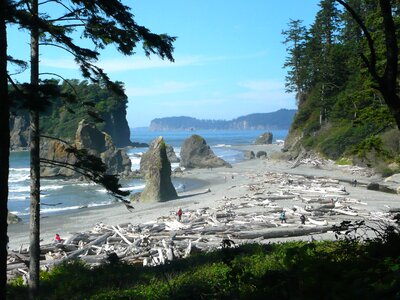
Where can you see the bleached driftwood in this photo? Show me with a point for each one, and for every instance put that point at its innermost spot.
(318, 223)
(345, 212)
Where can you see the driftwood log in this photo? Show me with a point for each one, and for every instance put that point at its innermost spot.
(251, 217)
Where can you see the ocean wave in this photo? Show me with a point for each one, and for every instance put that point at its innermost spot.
(174, 166)
(19, 170)
(19, 189)
(73, 207)
(135, 154)
(135, 163)
(18, 198)
(18, 213)
(15, 178)
(94, 204)
(133, 188)
(58, 209)
(222, 146)
(52, 187)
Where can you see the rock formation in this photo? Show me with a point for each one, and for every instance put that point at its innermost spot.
(265, 138)
(55, 150)
(249, 154)
(96, 142)
(13, 219)
(19, 132)
(195, 153)
(156, 168)
(171, 154)
(261, 154)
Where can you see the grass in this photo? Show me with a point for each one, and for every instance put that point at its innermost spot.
(294, 270)
(344, 162)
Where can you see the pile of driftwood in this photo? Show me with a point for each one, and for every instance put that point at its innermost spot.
(305, 158)
(255, 216)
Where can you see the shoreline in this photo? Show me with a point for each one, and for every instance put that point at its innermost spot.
(224, 183)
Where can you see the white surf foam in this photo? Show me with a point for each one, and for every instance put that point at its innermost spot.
(133, 188)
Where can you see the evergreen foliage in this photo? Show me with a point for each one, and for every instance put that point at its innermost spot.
(93, 102)
(340, 107)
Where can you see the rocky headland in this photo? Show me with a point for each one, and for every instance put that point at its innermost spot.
(87, 137)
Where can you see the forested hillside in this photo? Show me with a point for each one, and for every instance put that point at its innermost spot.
(341, 114)
(280, 119)
(93, 102)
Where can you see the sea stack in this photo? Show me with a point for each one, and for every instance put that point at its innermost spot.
(156, 168)
(97, 143)
(195, 153)
(265, 138)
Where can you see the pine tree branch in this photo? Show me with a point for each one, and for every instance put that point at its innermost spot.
(371, 64)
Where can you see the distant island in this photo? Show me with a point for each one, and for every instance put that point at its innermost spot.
(280, 119)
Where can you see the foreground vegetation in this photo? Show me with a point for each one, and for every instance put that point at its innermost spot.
(346, 269)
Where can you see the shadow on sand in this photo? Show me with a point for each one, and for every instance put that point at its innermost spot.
(196, 194)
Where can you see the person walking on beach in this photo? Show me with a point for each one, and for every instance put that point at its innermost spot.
(303, 220)
(179, 214)
(283, 217)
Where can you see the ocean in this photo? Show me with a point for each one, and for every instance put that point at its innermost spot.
(61, 196)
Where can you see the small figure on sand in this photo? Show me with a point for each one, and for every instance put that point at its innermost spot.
(354, 182)
(57, 238)
(302, 219)
(179, 214)
(233, 177)
(283, 217)
(183, 187)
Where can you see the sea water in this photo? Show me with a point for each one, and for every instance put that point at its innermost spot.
(65, 195)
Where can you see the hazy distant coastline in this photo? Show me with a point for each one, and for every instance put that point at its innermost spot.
(280, 119)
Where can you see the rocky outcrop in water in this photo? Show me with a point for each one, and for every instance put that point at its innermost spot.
(13, 219)
(97, 143)
(195, 153)
(171, 154)
(248, 154)
(265, 138)
(19, 132)
(156, 168)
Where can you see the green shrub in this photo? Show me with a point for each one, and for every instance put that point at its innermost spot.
(345, 269)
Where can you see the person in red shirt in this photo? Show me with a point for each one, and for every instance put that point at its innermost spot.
(179, 213)
(57, 238)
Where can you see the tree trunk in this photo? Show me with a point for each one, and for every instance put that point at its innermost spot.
(4, 149)
(387, 83)
(34, 262)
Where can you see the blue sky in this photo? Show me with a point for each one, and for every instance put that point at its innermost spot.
(228, 58)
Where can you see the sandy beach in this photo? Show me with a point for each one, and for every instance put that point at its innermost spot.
(224, 183)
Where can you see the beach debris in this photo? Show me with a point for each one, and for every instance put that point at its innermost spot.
(251, 216)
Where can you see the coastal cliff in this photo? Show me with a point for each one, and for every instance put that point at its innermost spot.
(61, 120)
(87, 137)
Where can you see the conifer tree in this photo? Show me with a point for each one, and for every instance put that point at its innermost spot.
(386, 80)
(295, 38)
(4, 148)
(101, 22)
